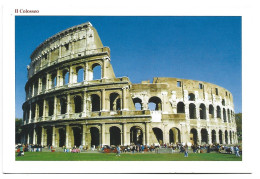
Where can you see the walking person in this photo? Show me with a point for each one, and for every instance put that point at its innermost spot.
(118, 150)
(186, 151)
(237, 151)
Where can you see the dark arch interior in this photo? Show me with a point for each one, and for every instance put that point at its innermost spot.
(62, 139)
(115, 103)
(94, 136)
(194, 136)
(115, 136)
(180, 107)
(77, 136)
(157, 104)
(191, 97)
(78, 105)
(192, 111)
(136, 135)
(158, 134)
(95, 102)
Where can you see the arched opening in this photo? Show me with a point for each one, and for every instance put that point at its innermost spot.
(213, 136)
(95, 103)
(80, 74)
(220, 137)
(155, 104)
(228, 113)
(192, 111)
(33, 111)
(115, 102)
(158, 134)
(224, 115)
(51, 106)
(180, 107)
(202, 111)
(174, 135)
(218, 112)
(36, 88)
(62, 137)
(77, 136)
(97, 72)
(39, 136)
(94, 131)
(191, 97)
(49, 136)
(211, 111)
(40, 108)
(138, 103)
(78, 104)
(115, 136)
(136, 135)
(223, 102)
(43, 84)
(204, 136)
(65, 77)
(53, 80)
(226, 137)
(194, 136)
(63, 105)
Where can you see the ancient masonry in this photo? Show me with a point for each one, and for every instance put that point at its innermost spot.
(69, 103)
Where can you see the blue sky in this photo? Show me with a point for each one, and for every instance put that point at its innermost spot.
(199, 48)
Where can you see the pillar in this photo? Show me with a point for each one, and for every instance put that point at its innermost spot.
(124, 134)
(67, 136)
(84, 103)
(209, 136)
(103, 134)
(199, 136)
(30, 113)
(39, 85)
(84, 134)
(217, 136)
(147, 133)
(43, 137)
(34, 136)
(71, 75)
(53, 136)
(103, 100)
(124, 98)
(68, 104)
(55, 107)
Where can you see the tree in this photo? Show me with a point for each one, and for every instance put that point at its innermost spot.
(18, 130)
(238, 118)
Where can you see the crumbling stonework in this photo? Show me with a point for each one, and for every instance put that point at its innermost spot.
(66, 105)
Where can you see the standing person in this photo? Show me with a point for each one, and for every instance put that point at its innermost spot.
(186, 151)
(118, 150)
(237, 151)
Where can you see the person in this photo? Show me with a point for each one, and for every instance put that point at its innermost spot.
(21, 153)
(118, 151)
(237, 151)
(186, 151)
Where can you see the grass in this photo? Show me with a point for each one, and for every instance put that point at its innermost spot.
(59, 156)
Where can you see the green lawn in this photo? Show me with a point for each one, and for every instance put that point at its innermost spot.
(59, 156)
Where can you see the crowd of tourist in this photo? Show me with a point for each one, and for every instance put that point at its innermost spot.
(133, 148)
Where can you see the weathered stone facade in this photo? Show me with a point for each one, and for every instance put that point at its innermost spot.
(66, 105)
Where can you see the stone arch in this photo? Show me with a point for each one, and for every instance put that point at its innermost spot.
(95, 138)
(115, 102)
(80, 73)
(53, 80)
(65, 76)
(77, 133)
(226, 136)
(63, 105)
(40, 104)
(62, 137)
(50, 106)
(202, 111)
(192, 111)
(204, 136)
(174, 135)
(136, 135)
(224, 115)
(211, 111)
(194, 136)
(220, 136)
(138, 103)
(95, 102)
(191, 97)
(213, 136)
(115, 135)
(44, 81)
(180, 107)
(97, 71)
(77, 104)
(49, 136)
(218, 112)
(155, 103)
(158, 134)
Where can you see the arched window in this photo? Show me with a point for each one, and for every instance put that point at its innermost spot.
(78, 104)
(65, 77)
(224, 115)
(220, 137)
(53, 80)
(204, 136)
(211, 111)
(95, 102)
(191, 97)
(43, 84)
(192, 111)
(97, 72)
(138, 103)
(213, 136)
(136, 135)
(80, 74)
(63, 105)
(115, 135)
(51, 106)
(180, 107)
(218, 112)
(155, 104)
(115, 102)
(223, 102)
(202, 111)
(158, 134)
(194, 136)
(40, 108)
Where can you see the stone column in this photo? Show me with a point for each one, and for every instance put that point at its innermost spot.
(207, 112)
(36, 112)
(30, 114)
(33, 91)
(84, 134)
(86, 70)
(84, 103)
(68, 104)
(228, 137)
(165, 134)
(67, 136)
(223, 137)
(43, 137)
(55, 107)
(124, 134)
(34, 136)
(71, 75)
(103, 100)
(209, 136)
(53, 136)
(147, 133)
(124, 98)
(197, 111)
(103, 134)
(59, 79)
(44, 109)
(47, 81)
(199, 136)
(217, 136)
(39, 85)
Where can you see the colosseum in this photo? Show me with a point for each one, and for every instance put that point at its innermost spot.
(74, 98)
